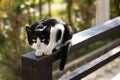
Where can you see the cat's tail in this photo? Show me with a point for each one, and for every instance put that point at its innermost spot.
(64, 53)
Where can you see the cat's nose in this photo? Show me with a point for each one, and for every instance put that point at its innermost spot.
(38, 46)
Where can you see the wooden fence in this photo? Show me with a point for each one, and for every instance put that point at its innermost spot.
(40, 68)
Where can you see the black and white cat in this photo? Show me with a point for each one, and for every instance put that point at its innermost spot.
(50, 34)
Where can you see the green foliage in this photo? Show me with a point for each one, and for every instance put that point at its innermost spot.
(58, 1)
(89, 2)
(10, 51)
(12, 36)
(86, 13)
(115, 8)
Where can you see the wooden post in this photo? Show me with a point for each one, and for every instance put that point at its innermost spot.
(36, 68)
(102, 11)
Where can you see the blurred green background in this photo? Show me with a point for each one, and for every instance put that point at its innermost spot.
(16, 14)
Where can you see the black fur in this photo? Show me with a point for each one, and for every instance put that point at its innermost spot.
(64, 53)
(50, 22)
(58, 35)
(30, 36)
(67, 33)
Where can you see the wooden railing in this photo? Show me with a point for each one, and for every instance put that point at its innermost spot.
(40, 68)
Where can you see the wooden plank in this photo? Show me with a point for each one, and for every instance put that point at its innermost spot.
(81, 72)
(94, 34)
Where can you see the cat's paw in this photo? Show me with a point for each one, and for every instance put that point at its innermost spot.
(37, 53)
(48, 53)
(58, 47)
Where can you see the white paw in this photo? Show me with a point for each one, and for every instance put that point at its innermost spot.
(37, 53)
(58, 47)
(48, 53)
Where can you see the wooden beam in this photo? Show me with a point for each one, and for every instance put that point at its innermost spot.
(83, 71)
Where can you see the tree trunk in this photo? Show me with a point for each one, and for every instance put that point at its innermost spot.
(49, 8)
(102, 11)
(40, 8)
(69, 9)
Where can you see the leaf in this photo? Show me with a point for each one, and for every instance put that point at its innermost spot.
(2, 3)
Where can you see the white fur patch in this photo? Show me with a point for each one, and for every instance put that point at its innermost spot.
(41, 29)
(52, 44)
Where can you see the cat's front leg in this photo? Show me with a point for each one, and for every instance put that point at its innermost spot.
(38, 53)
(50, 48)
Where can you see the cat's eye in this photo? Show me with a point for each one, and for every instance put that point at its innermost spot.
(43, 40)
(34, 40)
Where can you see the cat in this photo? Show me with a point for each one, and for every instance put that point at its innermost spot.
(48, 35)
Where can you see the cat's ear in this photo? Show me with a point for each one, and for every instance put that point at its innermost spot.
(28, 29)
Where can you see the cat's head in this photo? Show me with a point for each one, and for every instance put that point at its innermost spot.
(38, 35)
